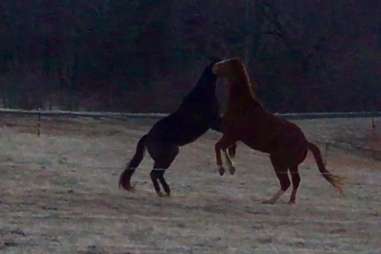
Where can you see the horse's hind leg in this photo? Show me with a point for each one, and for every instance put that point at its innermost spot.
(229, 161)
(282, 174)
(155, 173)
(295, 177)
(163, 157)
(164, 184)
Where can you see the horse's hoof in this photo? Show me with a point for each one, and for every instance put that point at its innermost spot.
(291, 202)
(221, 170)
(232, 170)
(163, 195)
(128, 188)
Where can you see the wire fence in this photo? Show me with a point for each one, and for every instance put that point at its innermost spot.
(295, 116)
(39, 115)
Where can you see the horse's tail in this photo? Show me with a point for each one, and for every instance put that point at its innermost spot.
(125, 177)
(335, 180)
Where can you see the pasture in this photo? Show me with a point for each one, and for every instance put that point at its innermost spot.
(59, 193)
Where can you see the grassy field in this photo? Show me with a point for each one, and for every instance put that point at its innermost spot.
(59, 193)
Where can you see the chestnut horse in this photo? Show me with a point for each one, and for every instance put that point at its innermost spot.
(198, 112)
(246, 120)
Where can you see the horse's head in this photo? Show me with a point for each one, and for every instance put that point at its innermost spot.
(232, 68)
(213, 61)
(208, 77)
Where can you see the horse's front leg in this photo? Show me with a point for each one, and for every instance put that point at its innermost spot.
(217, 149)
(223, 144)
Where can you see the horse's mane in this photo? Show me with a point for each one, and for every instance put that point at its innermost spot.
(241, 75)
(203, 90)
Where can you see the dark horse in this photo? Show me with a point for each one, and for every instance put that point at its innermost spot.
(246, 120)
(198, 112)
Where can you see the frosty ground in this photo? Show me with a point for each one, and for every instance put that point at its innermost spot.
(59, 193)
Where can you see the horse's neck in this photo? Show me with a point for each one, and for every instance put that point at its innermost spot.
(241, 96)
(201, 93)
(206, 85)
(202, 96)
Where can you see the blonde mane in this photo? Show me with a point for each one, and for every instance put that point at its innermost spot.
(241, 74)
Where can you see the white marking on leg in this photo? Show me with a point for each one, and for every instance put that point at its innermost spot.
(230, 162)
(158, 169)
(228, 159)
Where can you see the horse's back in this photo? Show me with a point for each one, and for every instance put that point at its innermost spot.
(178, 129)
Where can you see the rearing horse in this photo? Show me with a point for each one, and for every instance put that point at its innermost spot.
(198, 112)
(246, 120)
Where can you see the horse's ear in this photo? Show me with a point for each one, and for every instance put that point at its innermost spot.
(214, 59)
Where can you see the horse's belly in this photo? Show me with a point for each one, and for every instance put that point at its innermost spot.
(257, 143)
(190, 135)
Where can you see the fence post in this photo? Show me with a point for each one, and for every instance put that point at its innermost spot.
(39, 122)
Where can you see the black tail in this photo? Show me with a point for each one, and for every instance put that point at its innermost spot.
(125, 177)
(336, 181)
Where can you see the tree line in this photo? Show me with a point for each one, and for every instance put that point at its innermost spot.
(145, 55)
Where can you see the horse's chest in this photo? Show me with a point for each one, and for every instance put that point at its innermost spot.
(253, 133)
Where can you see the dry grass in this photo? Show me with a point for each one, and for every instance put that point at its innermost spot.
(59, 194)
